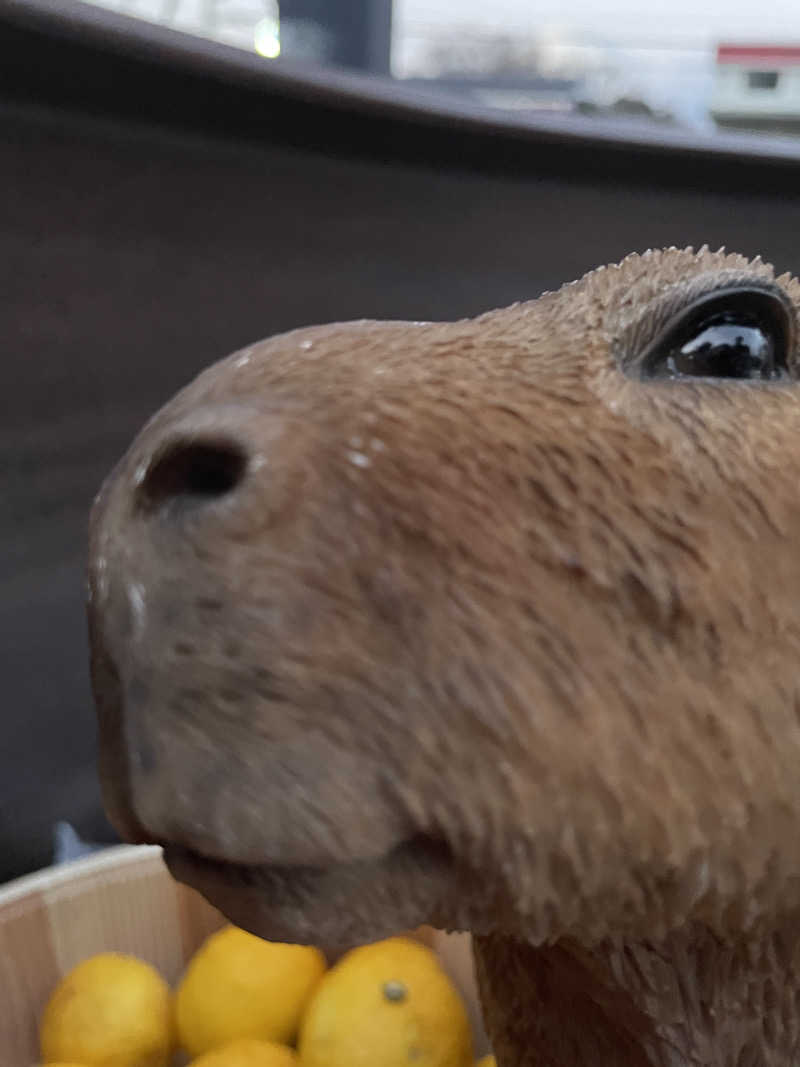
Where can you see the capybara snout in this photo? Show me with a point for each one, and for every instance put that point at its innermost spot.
(407, 622)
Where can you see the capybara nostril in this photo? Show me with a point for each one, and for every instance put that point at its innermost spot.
(191, 472)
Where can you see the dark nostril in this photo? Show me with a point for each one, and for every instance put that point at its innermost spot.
(190, 473)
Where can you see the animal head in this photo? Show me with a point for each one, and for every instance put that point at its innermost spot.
(493, 624)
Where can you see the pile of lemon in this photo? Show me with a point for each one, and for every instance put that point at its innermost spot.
(244, 1002)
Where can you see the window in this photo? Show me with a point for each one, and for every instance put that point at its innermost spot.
(697, 67)
(762, 79)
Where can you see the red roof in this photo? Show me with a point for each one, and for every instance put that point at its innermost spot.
(777, 55)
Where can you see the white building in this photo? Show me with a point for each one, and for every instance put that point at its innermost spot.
(757, 87)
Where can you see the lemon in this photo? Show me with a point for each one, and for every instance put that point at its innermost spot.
(109, 1011)
(237, 985)
(248, 1052)
(389, 1003)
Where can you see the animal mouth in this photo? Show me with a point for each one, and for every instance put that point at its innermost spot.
(182, 862)
(188, 865)
(335, 906)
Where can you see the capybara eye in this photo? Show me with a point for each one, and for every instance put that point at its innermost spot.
(740, 332)
(191, 472)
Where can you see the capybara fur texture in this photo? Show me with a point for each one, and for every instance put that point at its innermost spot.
(493, 625)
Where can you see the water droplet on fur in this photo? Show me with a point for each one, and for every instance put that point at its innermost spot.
(137, 606)
(102, 578)
(358, 459)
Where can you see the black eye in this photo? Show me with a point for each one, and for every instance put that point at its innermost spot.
(741, 332)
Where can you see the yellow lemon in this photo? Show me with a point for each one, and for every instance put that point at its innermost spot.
(391, 1004)
(109, 1011)
(237, 985)
(248, 1052)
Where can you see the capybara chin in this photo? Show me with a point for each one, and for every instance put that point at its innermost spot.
(492, 624)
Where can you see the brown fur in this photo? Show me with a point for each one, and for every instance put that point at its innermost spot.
(489, 636)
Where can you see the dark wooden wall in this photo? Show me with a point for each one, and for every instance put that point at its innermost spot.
(163, 202)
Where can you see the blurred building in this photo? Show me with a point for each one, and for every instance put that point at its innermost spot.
(343, 33)
(355, 34)
(757, 87)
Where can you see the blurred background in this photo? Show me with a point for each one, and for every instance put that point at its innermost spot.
(729, 63)
(181, 177)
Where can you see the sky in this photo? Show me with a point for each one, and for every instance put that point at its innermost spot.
(638, 23)
(686, 23)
